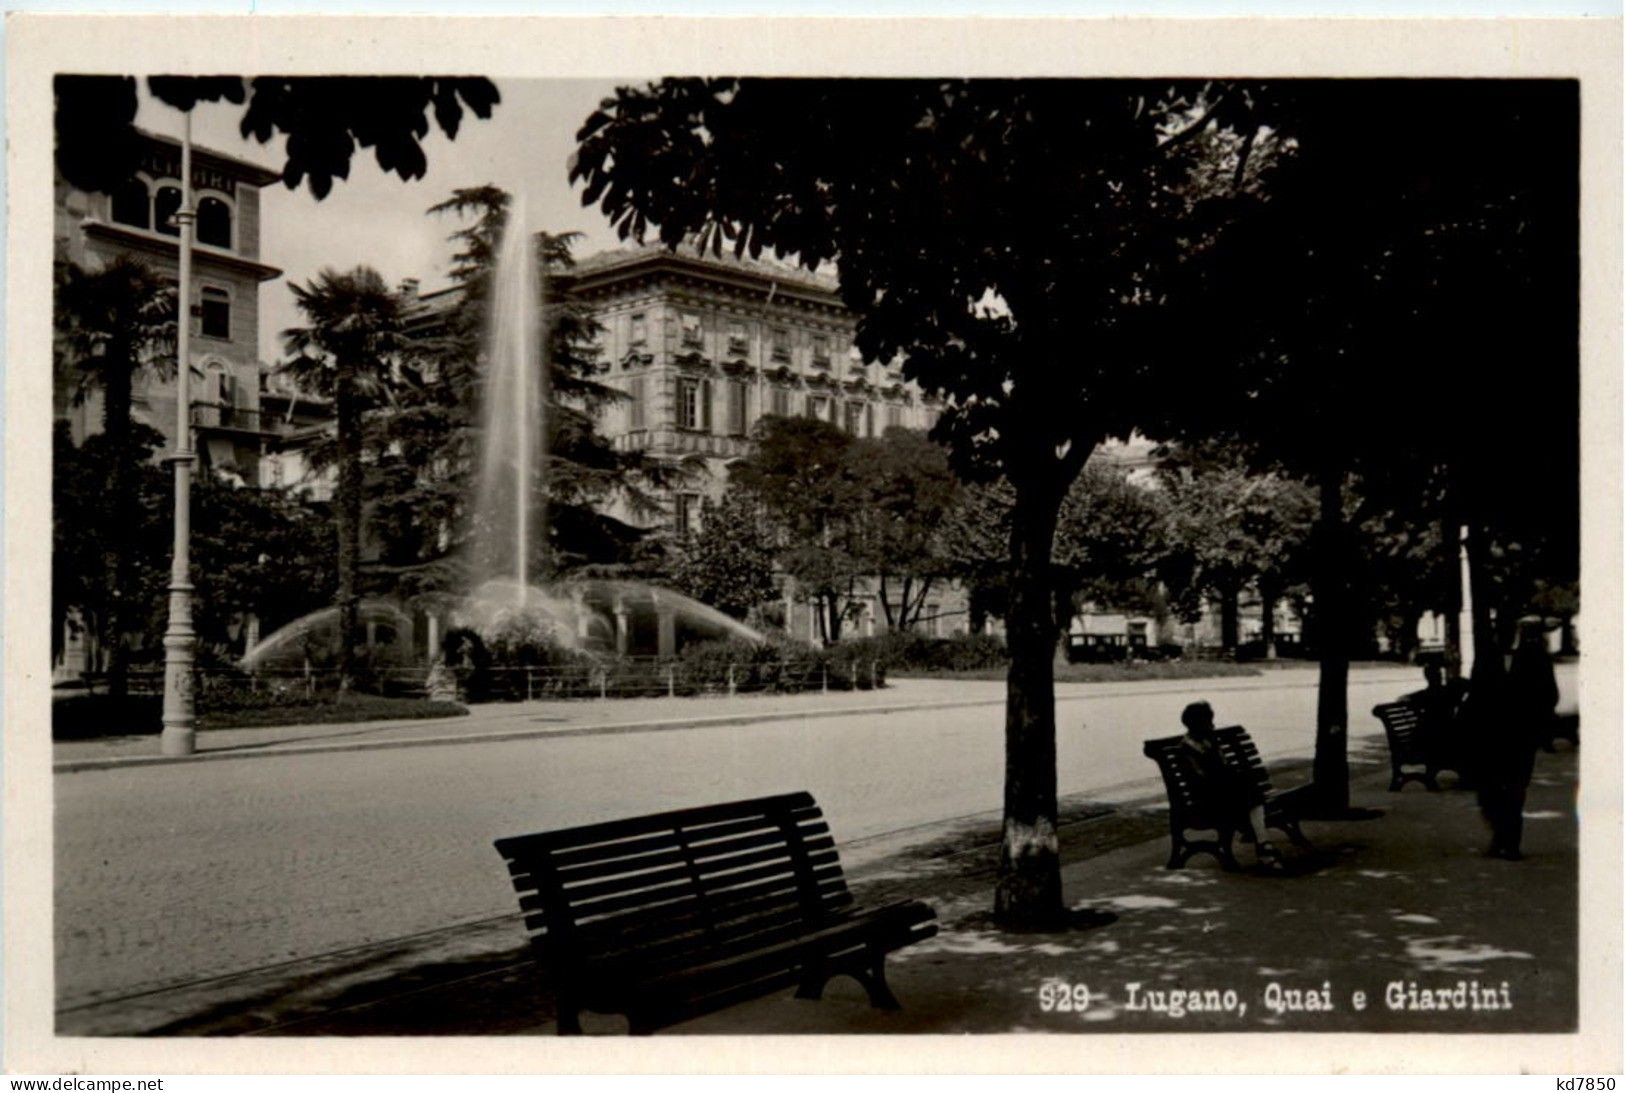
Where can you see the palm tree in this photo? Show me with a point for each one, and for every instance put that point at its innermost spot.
(110, 324)
(344, 354)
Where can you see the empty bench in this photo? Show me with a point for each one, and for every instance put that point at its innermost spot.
(664, 917)
(1190, 810)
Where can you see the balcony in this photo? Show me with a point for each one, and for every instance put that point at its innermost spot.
(225, 418)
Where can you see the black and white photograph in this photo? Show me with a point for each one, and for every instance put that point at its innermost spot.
(1045, 545)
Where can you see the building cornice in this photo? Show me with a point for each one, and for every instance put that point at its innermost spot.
(242, 169)
(165, 247)
(623, 269)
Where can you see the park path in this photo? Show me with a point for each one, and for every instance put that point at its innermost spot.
(167, 874)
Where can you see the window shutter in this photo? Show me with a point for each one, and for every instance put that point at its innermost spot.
(635, 389)
(868, 419)
(705, 403)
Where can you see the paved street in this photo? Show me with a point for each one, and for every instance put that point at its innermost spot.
(171, 873)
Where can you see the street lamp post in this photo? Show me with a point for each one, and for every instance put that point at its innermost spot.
(180, 716)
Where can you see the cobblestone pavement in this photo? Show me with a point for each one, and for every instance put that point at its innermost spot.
(169, 874)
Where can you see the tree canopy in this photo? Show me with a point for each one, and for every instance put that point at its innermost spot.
(1011, 240)
(325, 119)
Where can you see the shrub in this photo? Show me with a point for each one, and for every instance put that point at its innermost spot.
(222, 692)
(906, 651)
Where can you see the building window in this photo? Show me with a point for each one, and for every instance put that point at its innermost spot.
(164, 206)
(738, 339)
(686, 513)
(736, 408)
(781, 344)
(817, 407)
(640, 329)
(694, 405)
(132, 204)
(635, 406)
(894, 417)
(820, 350)
(690, 323)
(781, 400)
(868, 419)
(214, 222)
(214, 313)
(854, 418)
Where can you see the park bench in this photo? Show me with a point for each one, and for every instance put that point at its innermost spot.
(1189, 811)
(668, 916)
(1407, 748)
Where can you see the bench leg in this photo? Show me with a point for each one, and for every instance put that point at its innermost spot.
(1295, 833)
(813, 978)
(874, 982)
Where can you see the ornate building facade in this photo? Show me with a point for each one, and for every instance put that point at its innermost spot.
(232, 429)
(705, 347)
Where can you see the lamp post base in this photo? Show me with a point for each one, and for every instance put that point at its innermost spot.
(177, 741)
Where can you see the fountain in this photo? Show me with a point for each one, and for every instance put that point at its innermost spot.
(508, 488)
(594, 617)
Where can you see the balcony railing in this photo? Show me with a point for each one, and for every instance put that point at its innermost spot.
(237, 419)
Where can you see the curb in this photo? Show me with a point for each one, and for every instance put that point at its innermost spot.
(68, 766)
(267, 751)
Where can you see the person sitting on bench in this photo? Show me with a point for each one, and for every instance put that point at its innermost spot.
(1234, 796)
(1437, 707)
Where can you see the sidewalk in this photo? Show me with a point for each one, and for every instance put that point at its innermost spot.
(507, 721)
(1406, 899)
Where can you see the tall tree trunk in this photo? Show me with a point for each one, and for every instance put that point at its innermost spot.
(1485, 643)
(349, 528)
(116, 397)
(1450, 536)
(1267, 599)
(885, 605)
(1331, 765)
(1029, 887)
(977, 609)
(1229, 618)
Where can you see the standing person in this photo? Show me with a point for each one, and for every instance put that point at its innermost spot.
(1235, 797)
(1511, 716)
(1532, 683)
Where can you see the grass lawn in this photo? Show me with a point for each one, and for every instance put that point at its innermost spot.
(1100, 673)
(85, 717)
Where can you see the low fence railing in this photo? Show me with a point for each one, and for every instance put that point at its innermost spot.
(624, 677)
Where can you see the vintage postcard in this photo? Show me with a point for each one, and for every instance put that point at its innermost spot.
(544, 545)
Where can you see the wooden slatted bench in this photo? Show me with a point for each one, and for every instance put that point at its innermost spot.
(1188, 811)
(668, 916)
(1402, 725)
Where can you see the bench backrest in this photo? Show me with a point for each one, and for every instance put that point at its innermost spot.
(1234, 744)
(667, 890)
(1402, 721)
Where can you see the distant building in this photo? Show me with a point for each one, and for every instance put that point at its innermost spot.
(138, 220)
(705, 347)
